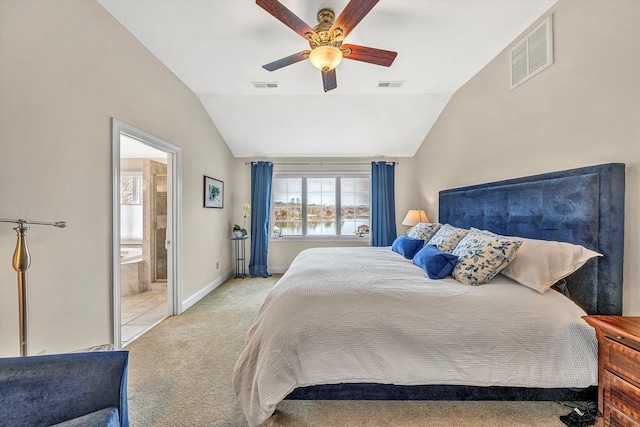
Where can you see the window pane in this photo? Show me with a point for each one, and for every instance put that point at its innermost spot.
(362, 199)
(287, 207)
(131, 190)
(321, 209)
(347, 199)
(294, 213)
(314, 199)
(295, 185)
(328, 213)
(295, 199)
(280, 197)
(328, 199)
(362, 184)
(314, 185)
(357, 227)
(287, 228)
(328, 185)
(348, 185)
(280, 213)
(355, 207)
(280, 185)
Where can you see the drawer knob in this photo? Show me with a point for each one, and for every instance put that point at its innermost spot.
(619, 337)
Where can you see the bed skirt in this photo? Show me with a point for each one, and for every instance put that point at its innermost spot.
(371, 391)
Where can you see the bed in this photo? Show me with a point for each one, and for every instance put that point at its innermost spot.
(365, 323)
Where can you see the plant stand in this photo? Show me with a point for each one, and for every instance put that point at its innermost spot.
(240, 257)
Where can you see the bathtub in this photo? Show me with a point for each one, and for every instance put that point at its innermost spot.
(130, 255)
(131, 271)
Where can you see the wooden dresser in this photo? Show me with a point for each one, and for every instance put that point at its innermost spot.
(618, 369)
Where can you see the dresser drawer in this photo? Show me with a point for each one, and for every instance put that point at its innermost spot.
(622, 396)
(613, 418)
(622, 359)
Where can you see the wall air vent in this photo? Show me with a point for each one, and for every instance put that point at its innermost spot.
(390, 84)
(531, 55)
(265, 85)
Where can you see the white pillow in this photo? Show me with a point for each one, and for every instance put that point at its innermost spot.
(541, 263)
(423, 230)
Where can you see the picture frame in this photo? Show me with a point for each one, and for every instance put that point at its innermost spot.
(213, 193)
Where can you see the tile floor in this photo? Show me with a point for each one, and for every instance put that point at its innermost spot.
(140, 312)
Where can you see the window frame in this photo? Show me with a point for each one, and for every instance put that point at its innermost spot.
(338, 175)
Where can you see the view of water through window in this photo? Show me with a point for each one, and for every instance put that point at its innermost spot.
(321, 206)
(294, 228)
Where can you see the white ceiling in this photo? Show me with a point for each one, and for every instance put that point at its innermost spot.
(217, 48)
(131, 148)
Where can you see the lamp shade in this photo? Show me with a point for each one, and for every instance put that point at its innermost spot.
(325, 58)
(415, 216)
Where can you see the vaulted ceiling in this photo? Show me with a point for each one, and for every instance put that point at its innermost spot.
(217, 48)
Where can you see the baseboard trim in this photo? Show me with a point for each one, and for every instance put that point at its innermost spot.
(189, 302)
(277, 270)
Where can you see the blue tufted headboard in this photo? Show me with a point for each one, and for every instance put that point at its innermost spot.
(583, 206)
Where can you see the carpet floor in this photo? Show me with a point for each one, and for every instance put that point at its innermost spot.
(180, 375)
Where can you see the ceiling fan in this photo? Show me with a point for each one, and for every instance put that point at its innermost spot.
(325, 39)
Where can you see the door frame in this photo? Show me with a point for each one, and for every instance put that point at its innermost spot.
(174, 208)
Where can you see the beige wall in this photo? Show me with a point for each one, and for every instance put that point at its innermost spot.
(281, 252)
(66, 68)
(581, 111)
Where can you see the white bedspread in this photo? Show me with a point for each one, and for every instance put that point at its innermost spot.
(368, 315)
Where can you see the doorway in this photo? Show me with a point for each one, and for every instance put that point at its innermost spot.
(146, 231)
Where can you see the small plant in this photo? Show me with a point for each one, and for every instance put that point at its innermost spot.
(236, 227)
(246, 208)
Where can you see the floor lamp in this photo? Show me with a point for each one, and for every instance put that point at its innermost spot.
(21, 262)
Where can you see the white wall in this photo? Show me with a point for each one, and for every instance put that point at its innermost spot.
(282, 252)
(581, 111)
(66, 68)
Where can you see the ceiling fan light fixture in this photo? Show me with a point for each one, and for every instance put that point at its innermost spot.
(325, 58)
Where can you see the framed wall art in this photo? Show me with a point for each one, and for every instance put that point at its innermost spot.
(213, 193)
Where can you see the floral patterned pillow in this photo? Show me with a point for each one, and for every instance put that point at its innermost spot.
(423, 230)
(481, 256)
(447, 238)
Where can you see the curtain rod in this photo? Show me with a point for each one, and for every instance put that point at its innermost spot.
(323, 163)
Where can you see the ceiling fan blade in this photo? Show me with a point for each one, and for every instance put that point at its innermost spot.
(329, 80)
(352, 14)
(288, 18)
(368, 54)
(283, 62)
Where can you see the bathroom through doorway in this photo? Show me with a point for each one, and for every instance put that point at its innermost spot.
(146, 232)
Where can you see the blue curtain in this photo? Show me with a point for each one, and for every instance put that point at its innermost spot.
(383, 204)
(261, 174)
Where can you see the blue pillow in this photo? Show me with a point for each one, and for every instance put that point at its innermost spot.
(436, 263)
(406, 246)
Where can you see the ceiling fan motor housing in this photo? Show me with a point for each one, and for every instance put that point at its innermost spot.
(323, 36)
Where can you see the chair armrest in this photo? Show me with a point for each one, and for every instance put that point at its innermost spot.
(50, 389)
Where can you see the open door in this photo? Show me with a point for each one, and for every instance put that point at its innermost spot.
(146, 231)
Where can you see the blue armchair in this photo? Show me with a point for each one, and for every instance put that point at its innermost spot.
(73, 389)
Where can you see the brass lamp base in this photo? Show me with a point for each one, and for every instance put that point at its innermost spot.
(21, 263)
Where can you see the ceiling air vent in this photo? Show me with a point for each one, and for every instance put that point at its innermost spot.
(531, 55)
(390, 84)
(265, 85)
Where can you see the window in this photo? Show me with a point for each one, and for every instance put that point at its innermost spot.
(131, 208)
(320, 205)
(131, 189)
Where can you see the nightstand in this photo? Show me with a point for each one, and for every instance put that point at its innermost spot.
(618, 369)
